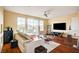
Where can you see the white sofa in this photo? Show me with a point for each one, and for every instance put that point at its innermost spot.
(27, 46)
(21, 42)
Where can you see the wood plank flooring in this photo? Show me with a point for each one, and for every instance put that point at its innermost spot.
(64, 40)
(65, 49)
(7, 49)
(66, 45)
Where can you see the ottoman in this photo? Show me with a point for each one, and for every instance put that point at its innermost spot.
(14, 43)
(40, 49)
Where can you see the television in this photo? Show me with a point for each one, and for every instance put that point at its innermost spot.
(59, 26)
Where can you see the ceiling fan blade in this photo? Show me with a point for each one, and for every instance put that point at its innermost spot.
(45, 15)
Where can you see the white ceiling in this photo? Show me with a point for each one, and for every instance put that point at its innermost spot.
(38, 11)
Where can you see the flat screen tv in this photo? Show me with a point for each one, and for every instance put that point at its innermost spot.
(59, 26)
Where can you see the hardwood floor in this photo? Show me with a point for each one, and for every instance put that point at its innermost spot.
(64, 40)
(66, 45)
(7, 49)
(65, 49)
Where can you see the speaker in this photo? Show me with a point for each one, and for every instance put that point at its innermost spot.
(8, 35)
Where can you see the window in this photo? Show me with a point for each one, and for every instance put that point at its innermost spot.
(30, 25)
(41, 25)
(34, 26)
(20, 24)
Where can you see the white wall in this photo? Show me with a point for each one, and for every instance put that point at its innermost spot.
(60, 20)
(74, 26)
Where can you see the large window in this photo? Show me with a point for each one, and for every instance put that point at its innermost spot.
(34, 26)
(30, 26)
(41, 25)
(20, 24)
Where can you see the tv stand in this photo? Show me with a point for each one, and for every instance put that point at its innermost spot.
(56, 34)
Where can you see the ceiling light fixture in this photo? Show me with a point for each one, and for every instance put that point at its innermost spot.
(47, 12)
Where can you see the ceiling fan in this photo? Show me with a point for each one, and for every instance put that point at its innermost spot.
(46, 13)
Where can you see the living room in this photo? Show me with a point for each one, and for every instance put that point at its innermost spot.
(54, 29)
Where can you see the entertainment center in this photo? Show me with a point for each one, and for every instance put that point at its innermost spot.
(56, 33)
(58, 29)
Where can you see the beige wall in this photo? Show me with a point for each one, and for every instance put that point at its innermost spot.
(1, 15)
(11, 19)
(1, 18)
(67, 19)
